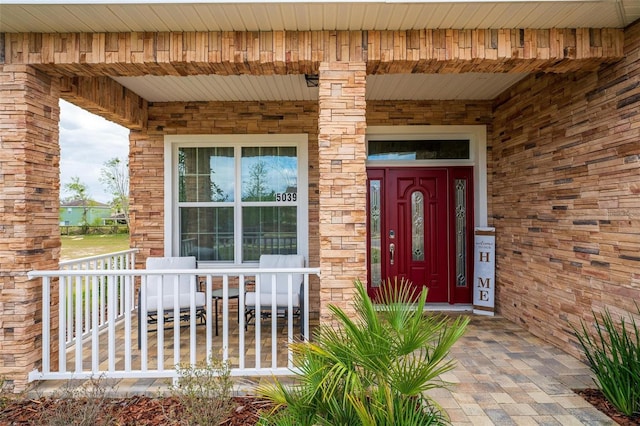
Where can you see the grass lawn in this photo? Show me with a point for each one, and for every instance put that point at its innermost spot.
(77, 246)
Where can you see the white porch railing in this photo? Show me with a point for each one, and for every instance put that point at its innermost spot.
(83, 285)
(110, 348)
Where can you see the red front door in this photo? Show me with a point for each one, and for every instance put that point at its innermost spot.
(415, 230)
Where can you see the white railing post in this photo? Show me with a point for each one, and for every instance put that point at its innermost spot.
(128, 301)
(193, 282)
(62, 315)
(69, 311)
(257, 322)
(46, 324)
(85, 299)
(142, 324)
(78, 323)
(305, 287)
(290, 320)
(274, 321)
(121, 293)
(209, 332)
(176, 320)
(111, 315)
(225, 318)
(242, 319)
(95, 327)
(160, 325)
(103, 299)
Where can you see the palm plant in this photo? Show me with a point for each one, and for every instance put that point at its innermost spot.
(374, 369)
(613, 354)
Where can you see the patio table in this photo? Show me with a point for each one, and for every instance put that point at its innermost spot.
(217, 296)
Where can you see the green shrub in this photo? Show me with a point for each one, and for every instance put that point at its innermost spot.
(613, 353)
(80, 405)
(205, 392)
(374, 369)
(6, 392)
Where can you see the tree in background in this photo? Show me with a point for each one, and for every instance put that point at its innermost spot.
(114, 174)
(79, 192)
(257, 187)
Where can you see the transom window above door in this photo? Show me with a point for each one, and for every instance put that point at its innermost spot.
(430, 149)
(239, 198)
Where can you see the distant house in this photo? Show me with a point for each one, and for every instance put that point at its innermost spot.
(115, 219)
(71, 213)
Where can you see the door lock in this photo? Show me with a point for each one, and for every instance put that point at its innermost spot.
(392, 250)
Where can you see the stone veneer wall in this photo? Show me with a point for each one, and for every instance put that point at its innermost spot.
(146, 194)
(147, 160)
(423, 113)
(342, 154)
(29, 208)
(566, 196)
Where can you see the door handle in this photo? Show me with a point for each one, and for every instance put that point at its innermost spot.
(392, 250)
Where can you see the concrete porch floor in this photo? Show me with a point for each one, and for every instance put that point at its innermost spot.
(504, 376)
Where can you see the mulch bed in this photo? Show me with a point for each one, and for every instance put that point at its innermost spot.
(152, 411)
(597, 399)
(134, 410)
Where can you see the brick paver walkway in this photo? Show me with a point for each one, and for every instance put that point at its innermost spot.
(506, 376)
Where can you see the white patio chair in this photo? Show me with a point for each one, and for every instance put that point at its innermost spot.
(165, 282)
(275, 261)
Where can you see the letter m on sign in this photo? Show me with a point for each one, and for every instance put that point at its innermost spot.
(484, 283)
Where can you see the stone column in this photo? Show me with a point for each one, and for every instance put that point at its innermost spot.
(146, 194)
(29, 213)
(342, 185)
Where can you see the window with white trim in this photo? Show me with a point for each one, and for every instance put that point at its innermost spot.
(239, 198)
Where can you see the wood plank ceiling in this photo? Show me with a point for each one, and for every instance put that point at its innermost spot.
(310, 15)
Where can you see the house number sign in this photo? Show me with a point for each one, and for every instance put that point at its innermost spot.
(286, 196)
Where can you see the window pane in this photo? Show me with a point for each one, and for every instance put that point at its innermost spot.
(268, 171)
(419, 150)
(375, 239)
(206, 174)
(417, 226)
(461, 232)
(268, 230)
(207, 233)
